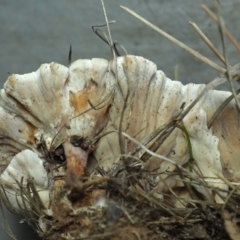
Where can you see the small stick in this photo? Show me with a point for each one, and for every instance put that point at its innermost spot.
(228, 34)
(177, 42)
(207, 41)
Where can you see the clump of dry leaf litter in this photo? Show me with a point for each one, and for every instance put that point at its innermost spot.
(131, 210)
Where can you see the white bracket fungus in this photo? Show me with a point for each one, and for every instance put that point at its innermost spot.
(41, 111)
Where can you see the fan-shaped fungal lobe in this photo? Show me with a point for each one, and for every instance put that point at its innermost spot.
(54, 120)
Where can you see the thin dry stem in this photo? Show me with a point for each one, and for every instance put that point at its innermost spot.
(207, 41)
(177, 42)
(109, 32)
(221, 108)
(95, 181)
(228, 67)
(160, 129)
(153, 200)
(228, 34)
(149, 151)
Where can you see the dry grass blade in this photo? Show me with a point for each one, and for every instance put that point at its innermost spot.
(154, 201)
(149, 151)
(207, 41)
(231, 184)
(159, 141)
(235, 74)
(95, 182)
(108, 28)
(172, 192)
(177, 42)
(231, 226)
(229, 35)
(172, 122)
(222, 30)
(227, 199)
(220, 109)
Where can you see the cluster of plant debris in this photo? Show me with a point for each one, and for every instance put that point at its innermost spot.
(128, 212)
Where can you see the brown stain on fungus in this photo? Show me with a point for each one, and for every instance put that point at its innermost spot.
(79, 100)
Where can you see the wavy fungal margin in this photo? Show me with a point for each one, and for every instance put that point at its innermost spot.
(63, 127)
